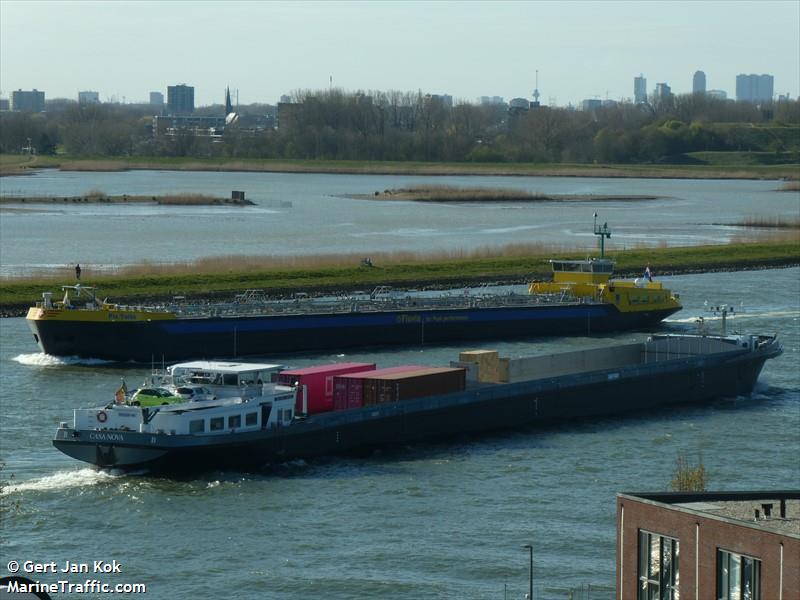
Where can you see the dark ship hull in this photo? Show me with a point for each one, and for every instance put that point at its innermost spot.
(623, 379)
(217, 337)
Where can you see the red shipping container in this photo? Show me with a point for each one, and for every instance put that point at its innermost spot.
(318, 382)
(348, 390)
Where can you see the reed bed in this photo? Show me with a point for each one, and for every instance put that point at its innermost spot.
(771, 222)
(446, 193)
(235, 263)
(13, 164)
(99, 196)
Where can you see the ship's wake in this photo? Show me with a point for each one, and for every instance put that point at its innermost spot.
(732, 318)
(40, 359)
(63, 480)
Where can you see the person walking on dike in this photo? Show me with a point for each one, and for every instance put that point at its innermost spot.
(78, 272)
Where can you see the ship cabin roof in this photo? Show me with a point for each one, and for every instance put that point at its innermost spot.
(592, 265)
(224, 367)
(589, 271)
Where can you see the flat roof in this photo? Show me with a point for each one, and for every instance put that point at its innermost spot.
(758, 509)
(329, 368)
(218, 366)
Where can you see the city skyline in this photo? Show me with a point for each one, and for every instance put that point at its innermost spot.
(582, 50)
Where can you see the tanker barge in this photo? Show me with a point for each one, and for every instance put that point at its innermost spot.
(481, 395)
(581, 299)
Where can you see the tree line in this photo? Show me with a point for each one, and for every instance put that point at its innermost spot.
(406, 126)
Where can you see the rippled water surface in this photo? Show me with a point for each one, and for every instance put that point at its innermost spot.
(427, 521)
(315, 214)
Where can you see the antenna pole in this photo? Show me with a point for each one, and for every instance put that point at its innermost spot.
(604, 233)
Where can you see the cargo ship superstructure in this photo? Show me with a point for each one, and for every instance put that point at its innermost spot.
(479, 392)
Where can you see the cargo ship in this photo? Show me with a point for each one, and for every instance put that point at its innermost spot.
(479, 392)
(581, 299)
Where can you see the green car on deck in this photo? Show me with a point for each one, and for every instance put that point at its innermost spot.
(154, 397)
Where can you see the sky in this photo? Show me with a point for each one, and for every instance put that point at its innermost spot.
(126, 49)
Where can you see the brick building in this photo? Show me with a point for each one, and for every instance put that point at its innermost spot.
(704, 545)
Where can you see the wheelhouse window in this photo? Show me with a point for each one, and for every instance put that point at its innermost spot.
(197, 426)
(658, 567)
(738, 577)
(217, 423)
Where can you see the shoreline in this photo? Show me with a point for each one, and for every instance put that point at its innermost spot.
(444, 194)
(187, 200)
(789, 172)
(20, 310)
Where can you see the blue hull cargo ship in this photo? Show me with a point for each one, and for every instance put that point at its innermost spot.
(581, 299)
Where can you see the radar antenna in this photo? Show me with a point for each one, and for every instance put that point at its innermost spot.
(604, 233)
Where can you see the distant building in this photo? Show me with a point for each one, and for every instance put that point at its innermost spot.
(88, 98)
(5, 104)
(156, 99)
(640, 89)
(731, 545)
(288, 115)
(717, 94)
(699, 83)
(285, 99)
(662, 94)
(442, 99)
(591, 104)
(517, 106)
(180, 99)
(754, 88)
(488, 100)
(27, 101)
(171, 125)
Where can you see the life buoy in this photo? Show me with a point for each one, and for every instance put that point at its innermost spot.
(102, 416)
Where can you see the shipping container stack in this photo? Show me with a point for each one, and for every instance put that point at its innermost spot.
(348, 390)
(318, 383)
(413, 384)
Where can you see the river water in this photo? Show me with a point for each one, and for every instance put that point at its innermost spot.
(427, 521)
(435, 521)
(302, 214)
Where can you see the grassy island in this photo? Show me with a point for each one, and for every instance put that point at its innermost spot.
(98, 197)
(446, 193)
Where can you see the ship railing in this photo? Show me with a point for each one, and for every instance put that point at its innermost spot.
(348, 305)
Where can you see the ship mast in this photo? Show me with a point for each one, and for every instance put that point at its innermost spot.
(604, 233)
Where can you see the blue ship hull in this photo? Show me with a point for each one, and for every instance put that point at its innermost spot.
(227, 337)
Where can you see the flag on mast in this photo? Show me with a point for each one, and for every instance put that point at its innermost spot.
(119, 397)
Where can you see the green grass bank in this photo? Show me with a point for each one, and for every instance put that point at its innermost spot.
(719, 165)
(197, 283)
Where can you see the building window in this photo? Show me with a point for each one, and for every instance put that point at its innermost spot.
(658, 567)
(738, 577)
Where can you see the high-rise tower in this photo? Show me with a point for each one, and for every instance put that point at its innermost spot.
(699, 83)
(754, 88)
(640, 89)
